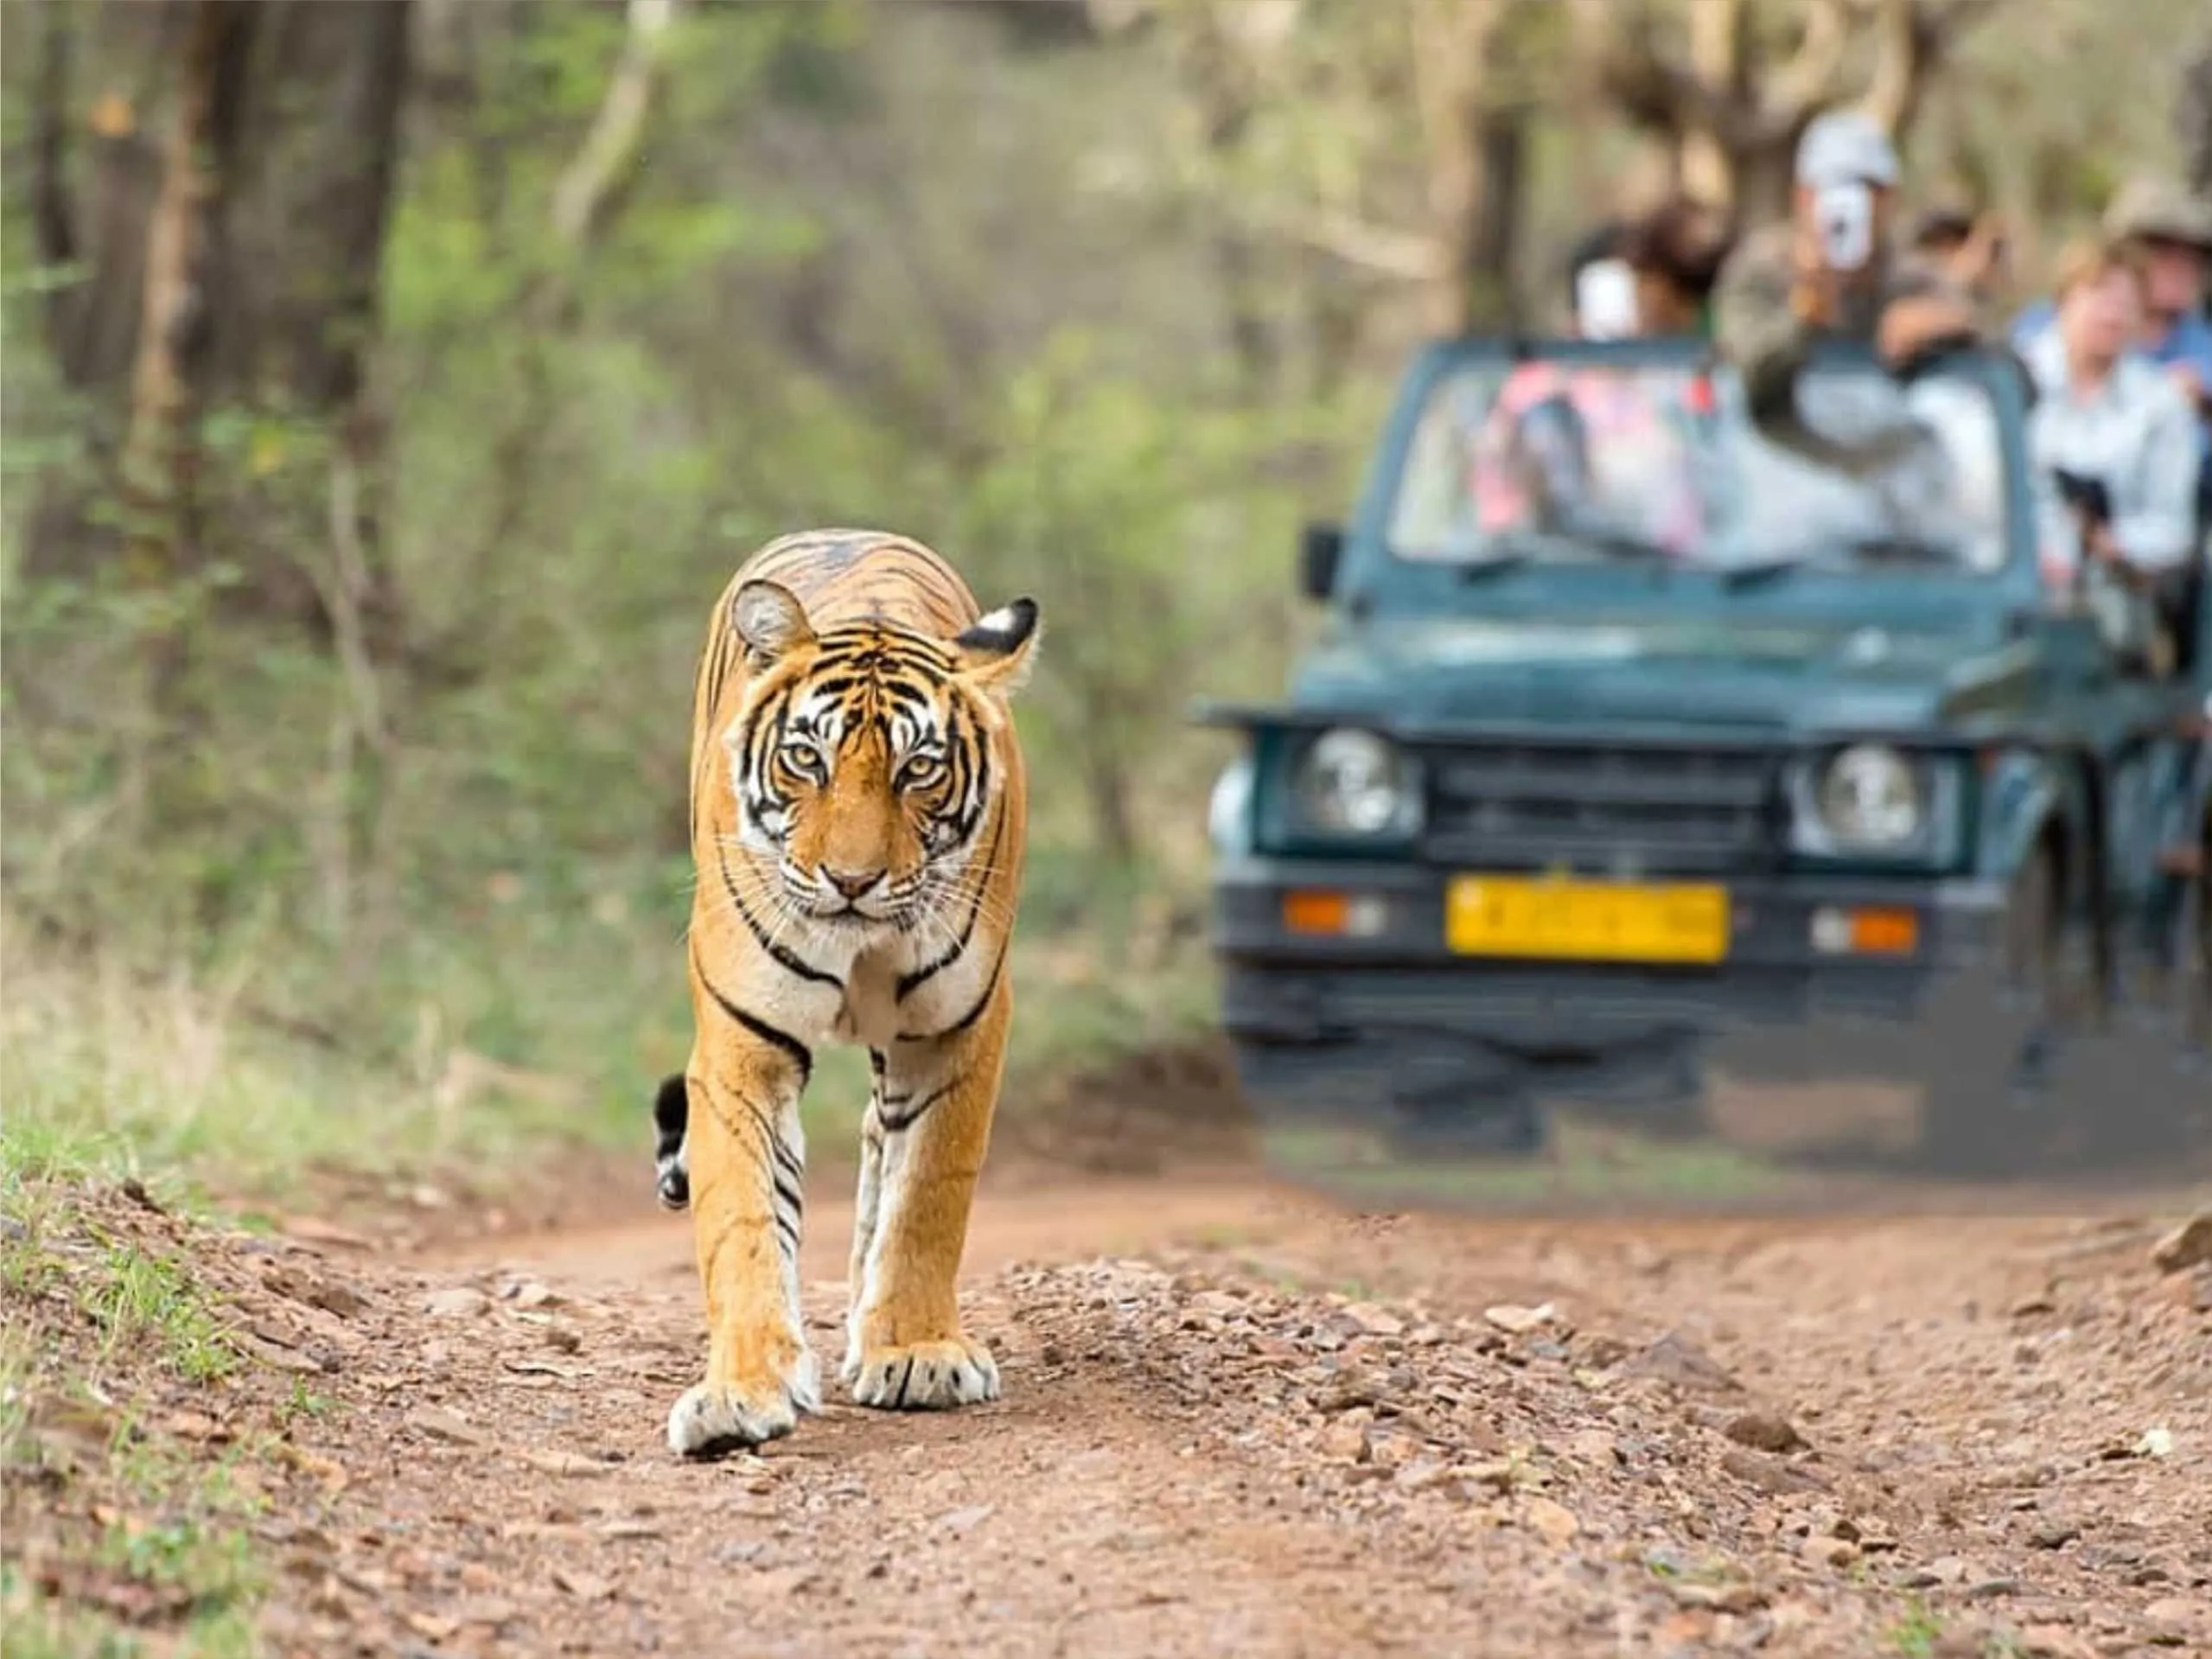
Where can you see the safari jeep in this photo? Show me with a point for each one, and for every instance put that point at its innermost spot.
(1628, 728)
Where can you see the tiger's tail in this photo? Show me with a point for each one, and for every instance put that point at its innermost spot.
(672, 1109)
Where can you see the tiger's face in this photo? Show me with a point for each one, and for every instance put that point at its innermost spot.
(863, 761)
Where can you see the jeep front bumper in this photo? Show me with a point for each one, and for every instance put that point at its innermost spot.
(1384, 1008)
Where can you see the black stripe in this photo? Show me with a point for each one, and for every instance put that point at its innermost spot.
(977, 785)
(800, 1055)
(786, 958)
(915, 698)
(788, 1161)
(906, 1121)
(972, 1014)
(909, 983)
(798, 1203)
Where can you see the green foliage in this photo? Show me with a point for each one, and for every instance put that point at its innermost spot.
(136, 1297)
(270, 911)
(175, 1523)
(349, 816)
(1135, 522)
(1917, 1631)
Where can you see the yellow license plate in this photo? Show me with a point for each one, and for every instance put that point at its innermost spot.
(1595, 922)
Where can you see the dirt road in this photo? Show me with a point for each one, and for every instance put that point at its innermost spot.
(1238, 1421)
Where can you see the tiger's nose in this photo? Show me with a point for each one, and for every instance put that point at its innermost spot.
(852, 883)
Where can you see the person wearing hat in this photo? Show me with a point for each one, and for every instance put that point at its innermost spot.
(2173, 231)
(1834, 268)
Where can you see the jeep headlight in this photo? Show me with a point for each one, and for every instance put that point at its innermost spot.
(1228, 810)
(1352, 782)
(1869, 798)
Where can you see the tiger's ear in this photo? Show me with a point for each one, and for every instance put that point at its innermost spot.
(770, 620)
(995, 651)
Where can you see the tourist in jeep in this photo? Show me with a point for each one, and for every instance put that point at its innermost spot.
(2116, 433)
(1835, 269)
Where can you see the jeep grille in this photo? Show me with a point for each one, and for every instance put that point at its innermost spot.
(1602, 809)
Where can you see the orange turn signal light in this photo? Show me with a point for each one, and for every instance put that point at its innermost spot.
(1324, 913)
(1870, 932)
(1885, 933)
(1316, 912)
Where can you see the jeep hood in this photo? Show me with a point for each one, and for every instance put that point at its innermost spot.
(1738, 674)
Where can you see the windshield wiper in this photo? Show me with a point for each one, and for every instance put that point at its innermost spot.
(1874, 549)
(1610, 539)
(1499, 558)
(1515, 548)
(1903, 550)
(1752, 572)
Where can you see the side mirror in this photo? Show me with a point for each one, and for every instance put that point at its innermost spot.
(1320, 546)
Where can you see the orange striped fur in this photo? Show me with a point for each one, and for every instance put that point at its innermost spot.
(859, 819)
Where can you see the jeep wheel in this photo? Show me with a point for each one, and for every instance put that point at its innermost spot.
(2032, 965)
(1512, 1128)
(1988, 1113)
(2196, 966)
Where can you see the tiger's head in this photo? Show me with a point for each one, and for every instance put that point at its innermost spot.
(866, 757)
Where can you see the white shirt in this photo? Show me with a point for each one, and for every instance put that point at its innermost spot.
(2137, 433)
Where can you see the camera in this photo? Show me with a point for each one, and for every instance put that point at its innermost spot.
(1845, 214)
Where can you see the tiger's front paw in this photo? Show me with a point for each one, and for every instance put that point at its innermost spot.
(715, 1419)
(924, 1376)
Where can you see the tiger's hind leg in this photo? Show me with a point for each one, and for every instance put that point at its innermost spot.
(927, 1129)
(747, 1158)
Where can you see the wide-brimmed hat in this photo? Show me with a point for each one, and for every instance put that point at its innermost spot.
(2158, 210)
(1845, 146)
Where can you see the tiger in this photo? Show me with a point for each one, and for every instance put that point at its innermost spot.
(858, 822)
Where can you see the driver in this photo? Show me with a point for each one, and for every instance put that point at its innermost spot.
(1834, 268)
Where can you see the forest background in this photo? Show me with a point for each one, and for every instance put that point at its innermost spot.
(390, 385)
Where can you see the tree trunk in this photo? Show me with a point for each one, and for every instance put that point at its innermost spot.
(1489, 229)
(1732, 114)
(1220, 82)
(1113, 824)
(158, 476)
(2193, 121)
(237, 265)
(1477, 140)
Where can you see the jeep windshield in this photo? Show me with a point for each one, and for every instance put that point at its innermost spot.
(1580, 458)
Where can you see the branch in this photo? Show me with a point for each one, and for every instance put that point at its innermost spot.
(1913, 37)
(1720, 51)
(588, 188)
(1380, 248)
(1900, 64)
(1814, 74)
(1654, 91)
(1117, 16)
